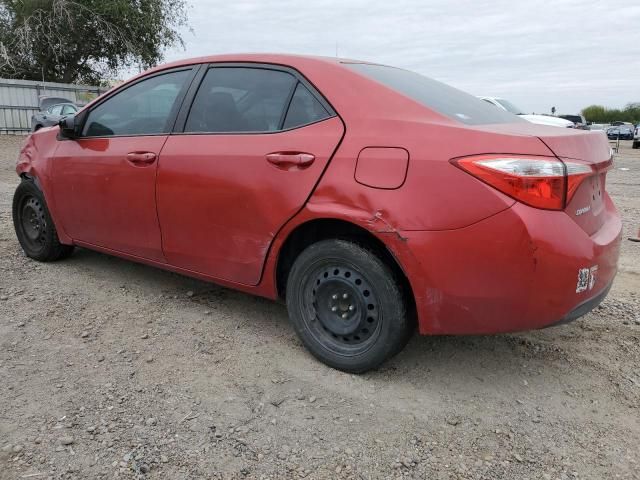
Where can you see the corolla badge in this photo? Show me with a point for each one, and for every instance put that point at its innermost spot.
(583, 210)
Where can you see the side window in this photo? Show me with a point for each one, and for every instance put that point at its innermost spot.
(142, 109)
(304, 109)
(68, 110)
(55, 110)
(240, 99)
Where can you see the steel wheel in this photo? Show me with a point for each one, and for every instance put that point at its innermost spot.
(347, 305)
(343, 312)
(34, 228)
(33, 222)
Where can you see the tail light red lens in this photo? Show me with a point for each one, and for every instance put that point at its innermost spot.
(541, 182)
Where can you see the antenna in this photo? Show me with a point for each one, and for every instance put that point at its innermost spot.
(336, 49)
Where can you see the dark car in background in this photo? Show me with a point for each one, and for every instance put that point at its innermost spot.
(622, 132)
(52, 109)
(578, 120)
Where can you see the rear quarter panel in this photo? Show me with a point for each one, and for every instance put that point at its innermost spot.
(436, 195)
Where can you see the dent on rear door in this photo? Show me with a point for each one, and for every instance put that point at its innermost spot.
(221, 200)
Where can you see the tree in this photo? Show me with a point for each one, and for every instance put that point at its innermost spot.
(595, 113)
(85, 41)
(600, 114)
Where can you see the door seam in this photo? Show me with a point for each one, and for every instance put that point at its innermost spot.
(155, 196)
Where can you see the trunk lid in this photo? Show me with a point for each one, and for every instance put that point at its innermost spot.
(587, 205)
(591, 147)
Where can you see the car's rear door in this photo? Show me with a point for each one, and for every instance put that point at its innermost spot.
(104, 182)
(252, 145)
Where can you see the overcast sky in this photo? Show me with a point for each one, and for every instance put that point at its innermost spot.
(567, 53)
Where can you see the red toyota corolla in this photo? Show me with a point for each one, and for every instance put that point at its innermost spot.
(370, 198)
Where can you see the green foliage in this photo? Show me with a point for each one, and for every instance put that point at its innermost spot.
(85, 40)
(600, 114)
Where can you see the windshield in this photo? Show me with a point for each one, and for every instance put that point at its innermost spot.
(509, 106)
(435, 95)
(572, 118)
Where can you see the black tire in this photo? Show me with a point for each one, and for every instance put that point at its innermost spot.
(34, 228)
(347, 306)
(635, 145)
(37, 127)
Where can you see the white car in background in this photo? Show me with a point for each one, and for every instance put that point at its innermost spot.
(533, 118)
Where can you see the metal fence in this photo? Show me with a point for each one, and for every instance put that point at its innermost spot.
(19, 100)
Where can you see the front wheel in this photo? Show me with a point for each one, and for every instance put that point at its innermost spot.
(636, 144)
(347, 306)
(34, 228)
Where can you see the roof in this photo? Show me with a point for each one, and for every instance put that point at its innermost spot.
(276, 58)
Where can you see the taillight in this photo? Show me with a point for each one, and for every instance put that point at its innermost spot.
(541, 182)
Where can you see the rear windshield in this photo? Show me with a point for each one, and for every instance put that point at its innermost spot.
(436, 96)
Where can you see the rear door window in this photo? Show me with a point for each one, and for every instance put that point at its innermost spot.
(240, 99)
(304, 109)
(435, 95)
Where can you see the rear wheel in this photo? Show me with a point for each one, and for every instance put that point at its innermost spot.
(347, 306)
(34, 228)
(636, 144)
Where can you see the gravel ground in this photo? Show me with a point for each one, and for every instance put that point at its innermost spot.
(109, 369)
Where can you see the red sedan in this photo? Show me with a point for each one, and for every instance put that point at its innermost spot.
(369, 198)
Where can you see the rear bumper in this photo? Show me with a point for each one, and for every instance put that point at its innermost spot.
(520, 269)
(584, 308)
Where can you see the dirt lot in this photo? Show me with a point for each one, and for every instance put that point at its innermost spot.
(112, 369)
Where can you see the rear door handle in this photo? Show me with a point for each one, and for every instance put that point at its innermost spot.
(141, 158)
(289, 160)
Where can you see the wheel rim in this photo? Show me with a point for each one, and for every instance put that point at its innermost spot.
(33, 222)
(342, 310)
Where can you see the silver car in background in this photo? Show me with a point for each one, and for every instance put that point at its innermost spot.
(52, 109)
(552, 121)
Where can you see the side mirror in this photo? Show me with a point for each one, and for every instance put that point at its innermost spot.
(68, 126)
(71, 125)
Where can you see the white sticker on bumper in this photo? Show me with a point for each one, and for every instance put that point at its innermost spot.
(592, 276)
(586, 279)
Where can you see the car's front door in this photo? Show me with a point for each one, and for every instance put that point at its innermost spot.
(256, 140)
(104, 181)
